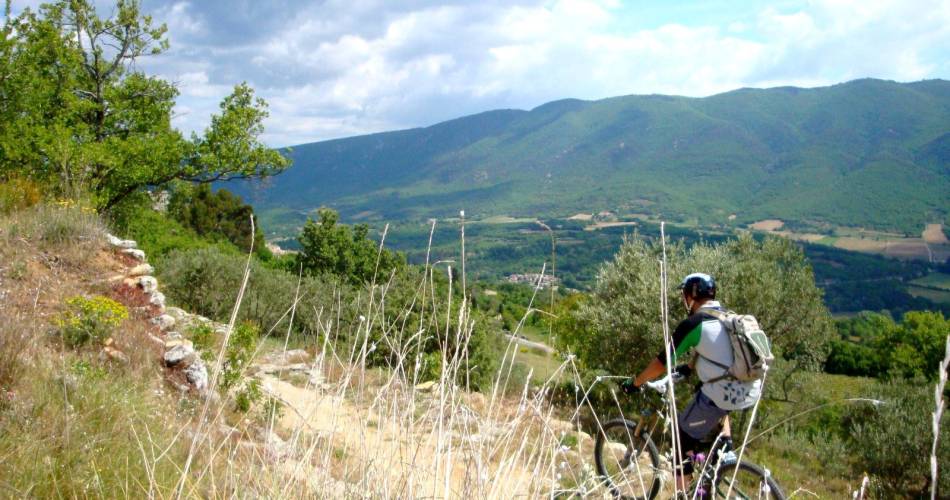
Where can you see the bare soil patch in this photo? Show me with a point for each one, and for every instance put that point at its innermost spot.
(934, 234)
(767, 225)
(581, 217)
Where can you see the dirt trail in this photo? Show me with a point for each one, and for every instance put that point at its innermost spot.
(408, 459)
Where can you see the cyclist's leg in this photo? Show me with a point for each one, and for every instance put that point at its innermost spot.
(696, 422)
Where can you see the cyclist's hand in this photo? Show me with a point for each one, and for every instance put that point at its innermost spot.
(628, 387)
(683, 370)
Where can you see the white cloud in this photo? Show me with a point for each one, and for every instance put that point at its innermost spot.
(339, 68)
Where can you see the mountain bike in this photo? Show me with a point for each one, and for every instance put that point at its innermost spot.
(630, 465)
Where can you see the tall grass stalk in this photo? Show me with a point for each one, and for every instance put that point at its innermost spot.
(218, 365)
(937, 415)
(668, 346)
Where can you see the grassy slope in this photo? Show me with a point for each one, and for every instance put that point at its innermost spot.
(867, 152)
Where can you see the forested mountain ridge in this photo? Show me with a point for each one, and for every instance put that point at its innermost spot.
(868, 152)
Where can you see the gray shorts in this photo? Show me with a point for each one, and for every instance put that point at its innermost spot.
(701, 419)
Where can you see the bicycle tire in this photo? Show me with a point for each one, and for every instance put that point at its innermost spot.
(751, 481)
(618, 472)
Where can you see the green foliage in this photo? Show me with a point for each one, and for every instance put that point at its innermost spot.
(332, 248)
(202, 337)
(89, 320)
(17, 193)
(206, 281)
(78, 115)
(237, 357)
(873, 344)
(157, 233)
(216, 215)
(619, 330)
(892, 441)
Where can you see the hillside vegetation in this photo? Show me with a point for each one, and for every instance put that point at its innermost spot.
(864, 153)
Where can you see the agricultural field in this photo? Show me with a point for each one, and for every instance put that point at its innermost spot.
(932, 246)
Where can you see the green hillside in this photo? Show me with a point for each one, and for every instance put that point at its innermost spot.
(868, 152)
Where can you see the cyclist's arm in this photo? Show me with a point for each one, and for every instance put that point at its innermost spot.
(686, 336)
(652, 371)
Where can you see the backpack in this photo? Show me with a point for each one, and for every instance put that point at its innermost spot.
(751, 350)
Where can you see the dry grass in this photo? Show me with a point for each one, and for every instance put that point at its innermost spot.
(78, 426)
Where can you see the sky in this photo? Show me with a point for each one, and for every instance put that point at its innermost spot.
(338, 68)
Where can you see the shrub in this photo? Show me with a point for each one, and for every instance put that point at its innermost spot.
(893, 441)
(206, 281)
(156, 233)
(17, 193)
(203, 338)
(89, 320)
(237, 357)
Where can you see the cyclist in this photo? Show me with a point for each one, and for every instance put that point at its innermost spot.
(718, 394)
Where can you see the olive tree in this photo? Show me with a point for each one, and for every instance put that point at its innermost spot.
(619, 329)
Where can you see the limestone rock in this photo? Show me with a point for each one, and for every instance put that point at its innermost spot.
(164, 322)
(178, 313)
(158, 299)
(426, 386)
(179, 355)
(584, 440)
(135, 253)
(275, 447)
(197, 375)
(118, 242)
(148, 284)
(171, 343)
(156, 340)
(141, 270)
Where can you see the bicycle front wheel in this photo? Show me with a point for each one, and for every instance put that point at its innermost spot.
(751, 482)
(628, 463)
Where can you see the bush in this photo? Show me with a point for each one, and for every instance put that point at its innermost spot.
(89, 320)
(893, 441)
(237, 357)
(17, 193)
(156, 233)
(206, 281)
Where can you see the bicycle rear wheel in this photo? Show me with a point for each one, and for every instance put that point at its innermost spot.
(629, 464)
(750, 482)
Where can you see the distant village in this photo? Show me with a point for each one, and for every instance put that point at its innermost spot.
(532, 279)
